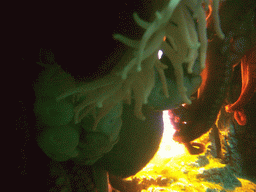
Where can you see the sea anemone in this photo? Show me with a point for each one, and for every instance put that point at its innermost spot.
(173, 30)
(137, 76)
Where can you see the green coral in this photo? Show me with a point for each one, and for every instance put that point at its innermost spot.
(54, 113)
(59, 143)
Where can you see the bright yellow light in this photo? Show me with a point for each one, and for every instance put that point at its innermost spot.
(168, 147)
(173, 163)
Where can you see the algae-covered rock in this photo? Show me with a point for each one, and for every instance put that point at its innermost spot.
(223, 176)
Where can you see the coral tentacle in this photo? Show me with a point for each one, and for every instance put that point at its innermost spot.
(215, 13)
(248, 71)
(240, 117)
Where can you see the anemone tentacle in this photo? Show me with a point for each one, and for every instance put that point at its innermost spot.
(106, 92)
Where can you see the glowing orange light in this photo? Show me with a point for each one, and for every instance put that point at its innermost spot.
(210, 12)
(176, 119)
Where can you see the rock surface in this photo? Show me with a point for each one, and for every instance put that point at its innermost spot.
(224, 176)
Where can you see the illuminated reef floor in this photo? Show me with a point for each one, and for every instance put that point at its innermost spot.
(174, 169)
(190, 174)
